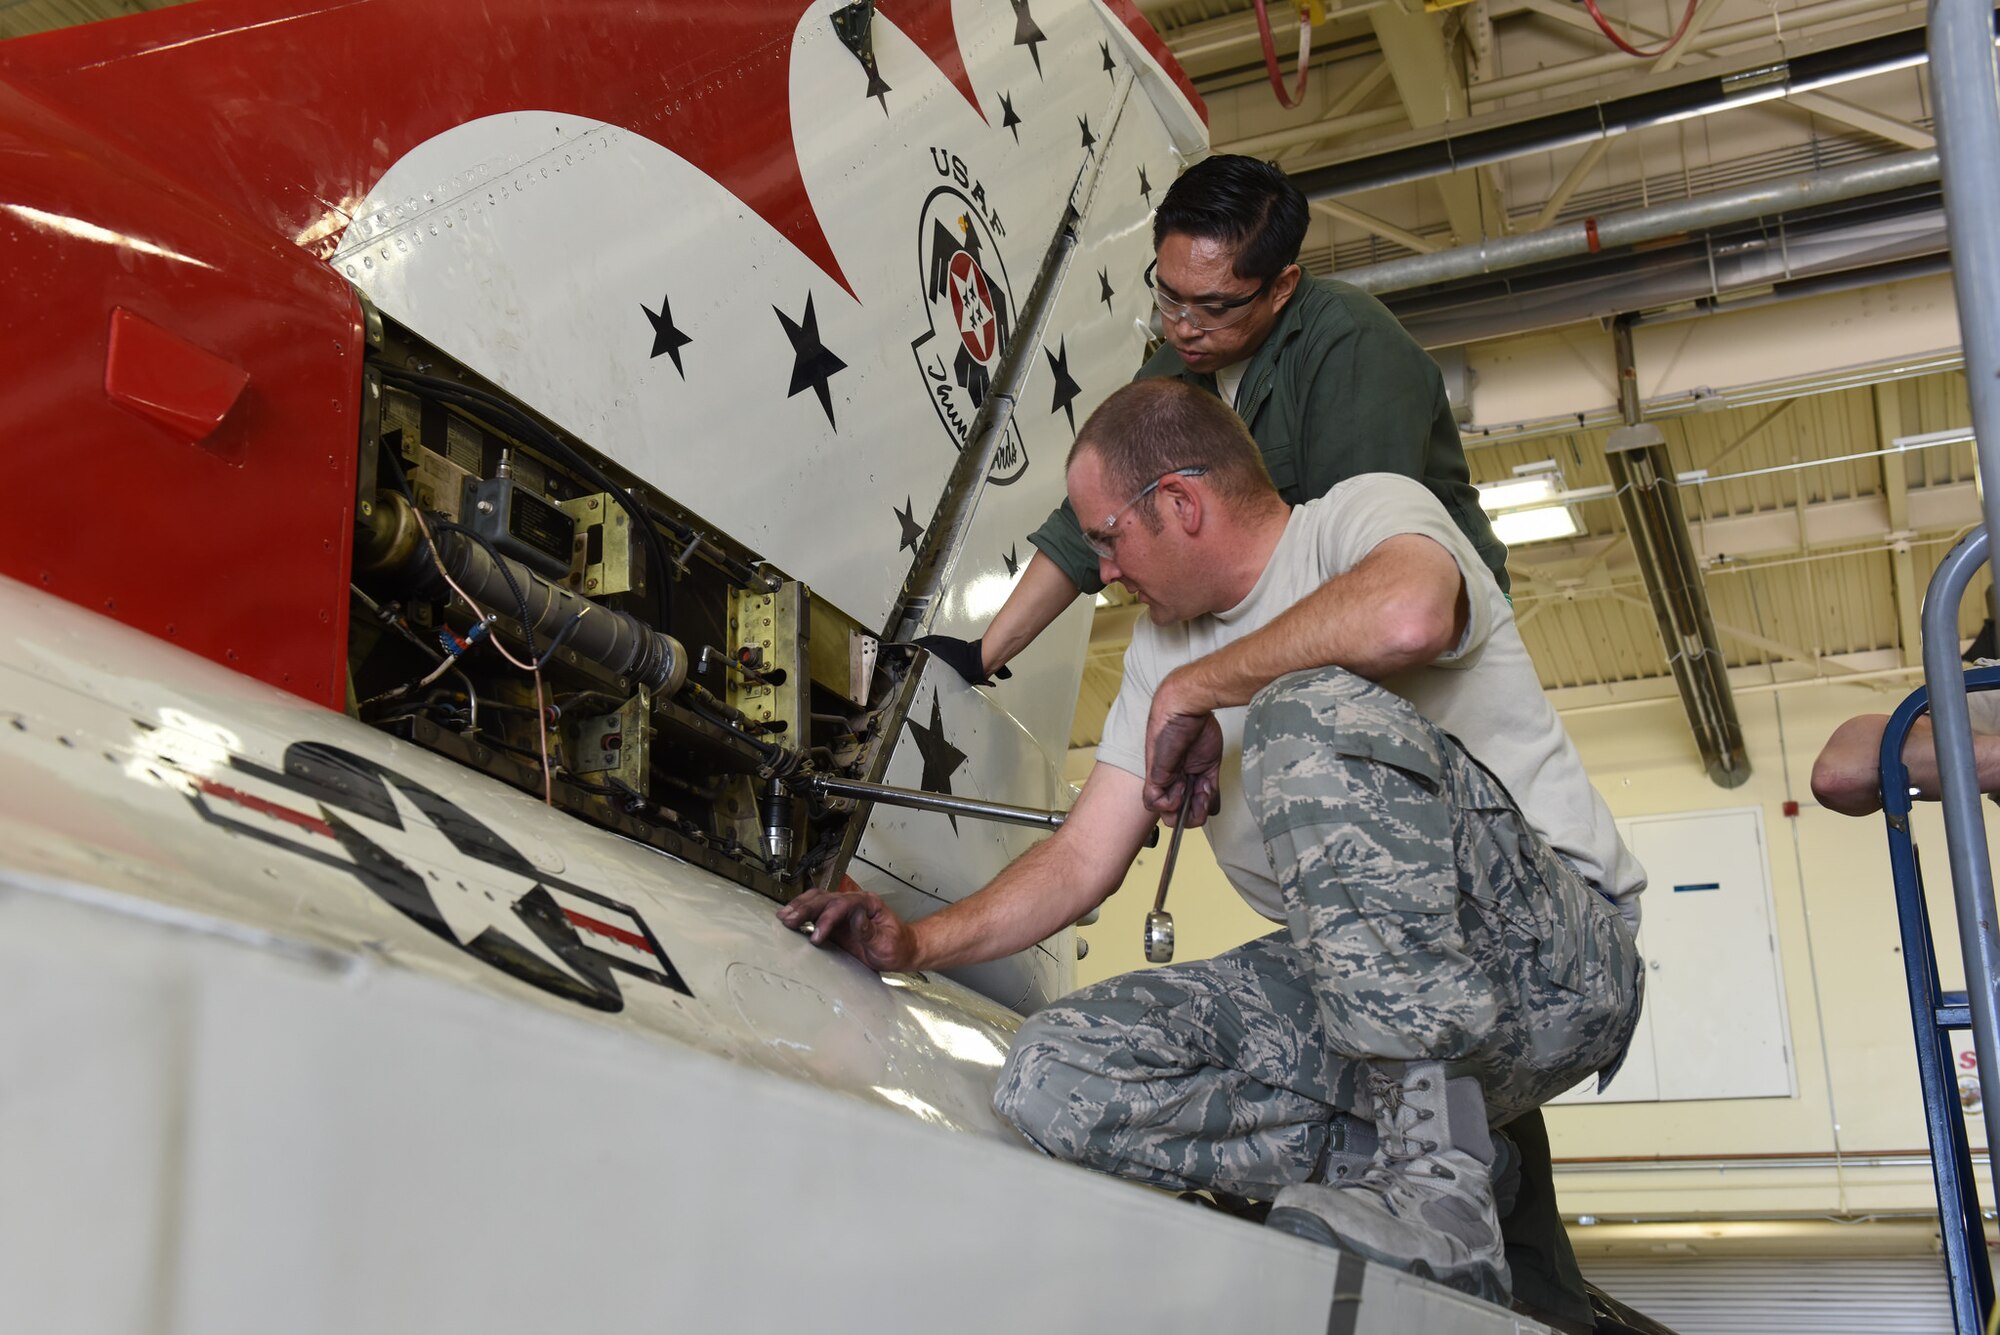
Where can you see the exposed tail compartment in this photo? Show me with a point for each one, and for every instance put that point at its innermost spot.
(578, 395)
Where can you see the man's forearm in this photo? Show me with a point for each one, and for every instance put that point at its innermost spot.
(1030, 901)
(1920, 758)
(1847, 776)
(1397, 610)
(1040, 597)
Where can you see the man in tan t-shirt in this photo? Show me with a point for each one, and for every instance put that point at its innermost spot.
(1343, 685)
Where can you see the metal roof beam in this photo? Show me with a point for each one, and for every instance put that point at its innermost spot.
(1431, 83)
(1909, 592)
(1861, 118)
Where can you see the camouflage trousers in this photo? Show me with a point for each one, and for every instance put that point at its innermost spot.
(1425, 921)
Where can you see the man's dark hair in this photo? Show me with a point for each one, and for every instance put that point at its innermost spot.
(1152, 427)
(1246, 204)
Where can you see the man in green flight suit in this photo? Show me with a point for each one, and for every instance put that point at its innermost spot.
(1331, 386)
(1327, 381)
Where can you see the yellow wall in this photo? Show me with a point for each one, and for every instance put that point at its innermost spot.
(1835, 918)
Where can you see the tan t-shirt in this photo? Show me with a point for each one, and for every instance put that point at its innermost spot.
(1484, 692)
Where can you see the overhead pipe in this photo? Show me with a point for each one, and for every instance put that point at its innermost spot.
(1649, 498)
(1615, 116)
(1899, 171)
(1727, 269)
(1538, 80)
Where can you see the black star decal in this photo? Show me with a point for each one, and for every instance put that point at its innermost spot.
(941, 758)
(1026, 33)
(877, 88)
(1066, 388)
(1008, 120)
(1013, 560)
(812, 363)
(1145, 188)
(1110, 65)
(1088, 138)
(666, 338)
(855, 26)
(912, 530)
(1104, 292)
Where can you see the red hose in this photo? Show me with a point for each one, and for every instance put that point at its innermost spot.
(1604, 25)
(1288, 101)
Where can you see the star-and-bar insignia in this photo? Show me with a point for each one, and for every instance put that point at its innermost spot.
(1066, 388)
(812, 363)
(666, 338)
(1027, 34)
(912, 530)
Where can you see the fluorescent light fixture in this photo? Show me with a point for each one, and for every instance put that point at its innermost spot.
(1525, 508)
(1543, 525)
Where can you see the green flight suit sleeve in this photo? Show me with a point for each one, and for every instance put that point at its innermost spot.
(1060, 538)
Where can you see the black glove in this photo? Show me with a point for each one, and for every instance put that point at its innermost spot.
(966, 657)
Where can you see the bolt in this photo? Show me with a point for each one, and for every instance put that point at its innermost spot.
(590, 584)
(485, 507)
(593, 502)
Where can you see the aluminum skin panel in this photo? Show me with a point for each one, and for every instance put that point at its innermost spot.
(314, 1143)
(134, 769)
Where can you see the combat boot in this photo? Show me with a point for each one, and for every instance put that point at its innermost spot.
(1425, 1202)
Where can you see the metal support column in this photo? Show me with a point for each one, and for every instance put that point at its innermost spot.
(1967, 88)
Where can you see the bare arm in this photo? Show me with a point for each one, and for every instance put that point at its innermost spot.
(1040, 597)
(1050, 886)
(1401, 608)
(1847, 776)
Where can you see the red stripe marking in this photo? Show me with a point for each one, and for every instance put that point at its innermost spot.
(1128, 13)
(1590, 234)
(313, 824)
(618, 934)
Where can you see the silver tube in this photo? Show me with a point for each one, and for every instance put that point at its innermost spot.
(1964, 81)
(1968, 131)
(826, 785)
(1964, 825)
(1632, 226)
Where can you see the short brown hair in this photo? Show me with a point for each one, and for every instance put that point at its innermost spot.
(1153, 427)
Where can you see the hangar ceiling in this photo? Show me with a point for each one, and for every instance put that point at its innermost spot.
(1815, 532)
(1814, 545)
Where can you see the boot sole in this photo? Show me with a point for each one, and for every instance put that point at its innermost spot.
(1480, 1281)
